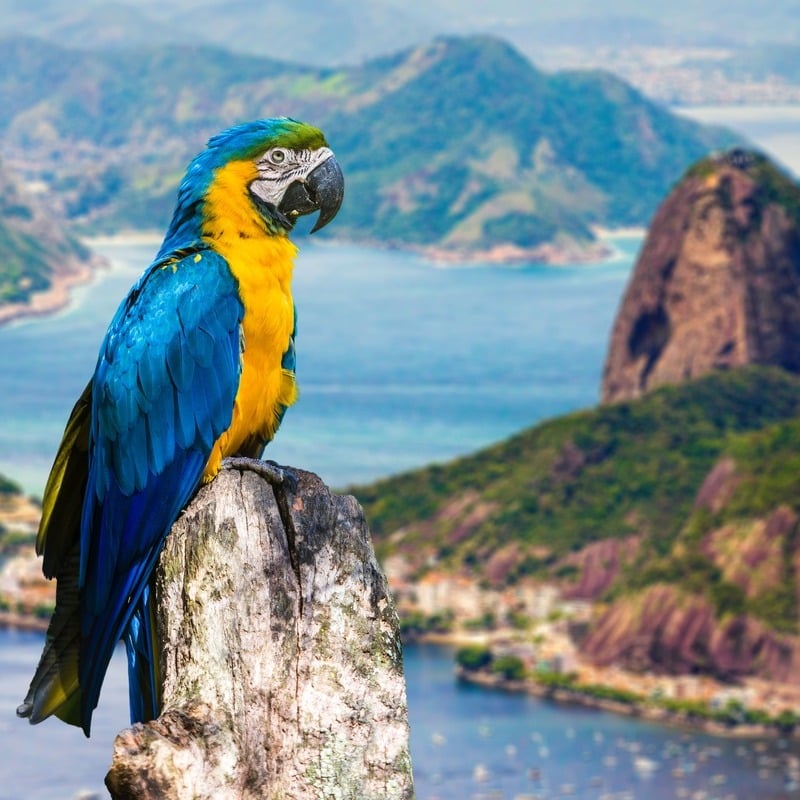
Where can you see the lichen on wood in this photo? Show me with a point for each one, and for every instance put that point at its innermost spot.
(282, 664)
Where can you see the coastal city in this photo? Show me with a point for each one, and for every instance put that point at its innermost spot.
(677, 76)
(529, 629)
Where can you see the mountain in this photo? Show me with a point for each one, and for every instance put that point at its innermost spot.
(625, 470)
(724, 598)
(676, 508)
(307, 31)
(334, 31)
(686, 501)
(717, 282)
(459, 146)
(38, 259)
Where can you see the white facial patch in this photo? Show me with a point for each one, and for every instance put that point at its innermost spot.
(275, 174)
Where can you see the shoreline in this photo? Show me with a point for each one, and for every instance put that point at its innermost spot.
(77, 273)
(15, 621)
(58, 296)
(646, 713)
(643, 710)
(509, 255)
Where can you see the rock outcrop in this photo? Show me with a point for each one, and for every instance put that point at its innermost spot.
(723, 602)
(717, 284)
(597, 566)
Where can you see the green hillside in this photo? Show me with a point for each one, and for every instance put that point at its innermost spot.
(32, 248)
(619, 471)
(729, 552)
(461, 144)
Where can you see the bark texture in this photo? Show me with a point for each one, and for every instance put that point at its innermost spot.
(282, 664)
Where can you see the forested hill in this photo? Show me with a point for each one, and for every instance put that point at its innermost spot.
(460, 144)
(692, 491)
(36, 254)
(680, 511)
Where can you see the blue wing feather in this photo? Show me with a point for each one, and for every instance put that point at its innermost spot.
(144, 686)
(162, 394)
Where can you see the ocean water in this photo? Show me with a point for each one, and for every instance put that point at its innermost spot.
(472, 744)
(400, 362)
(466, 744)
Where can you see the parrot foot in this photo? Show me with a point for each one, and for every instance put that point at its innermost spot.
(269, 470)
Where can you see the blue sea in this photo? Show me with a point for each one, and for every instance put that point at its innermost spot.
(401, 362)
(466, 743)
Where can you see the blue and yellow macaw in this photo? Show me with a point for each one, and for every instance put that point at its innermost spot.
(197, 366)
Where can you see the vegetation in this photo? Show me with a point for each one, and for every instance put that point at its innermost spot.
(12, 542)
(485, 622)
(510, 668)
(612, 471)
(460, 143)
(31, 246)
(9, 487)
(620, 470)
(768, 479)
(473, 657)
(731, 714)
(552, 679)
(418, 624)
(775, 185)
(24, 266)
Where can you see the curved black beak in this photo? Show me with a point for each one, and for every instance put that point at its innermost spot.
(322, 190)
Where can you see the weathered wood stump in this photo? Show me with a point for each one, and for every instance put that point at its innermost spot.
(282, 664)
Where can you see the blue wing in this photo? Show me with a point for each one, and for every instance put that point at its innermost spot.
(162, 393)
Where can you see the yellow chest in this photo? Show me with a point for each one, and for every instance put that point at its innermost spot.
(262, 263)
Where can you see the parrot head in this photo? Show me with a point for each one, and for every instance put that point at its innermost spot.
(286, 166)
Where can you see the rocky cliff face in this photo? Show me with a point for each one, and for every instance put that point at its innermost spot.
(725, 600)
(717, 284)
(667, 631)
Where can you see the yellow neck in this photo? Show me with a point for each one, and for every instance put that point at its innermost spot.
(259, 258)
(262, 262)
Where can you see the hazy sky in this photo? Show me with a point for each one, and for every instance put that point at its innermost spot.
(331, 31)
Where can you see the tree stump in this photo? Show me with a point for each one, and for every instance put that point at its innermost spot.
(281, 664)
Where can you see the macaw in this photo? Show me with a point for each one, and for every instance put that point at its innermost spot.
(197, 366)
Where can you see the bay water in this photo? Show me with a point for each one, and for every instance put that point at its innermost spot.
(401, 363)
(467, 743)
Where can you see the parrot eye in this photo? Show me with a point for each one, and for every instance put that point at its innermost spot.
(277, 156)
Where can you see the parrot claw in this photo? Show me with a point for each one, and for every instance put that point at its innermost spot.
(25, 709)
(269, 470)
